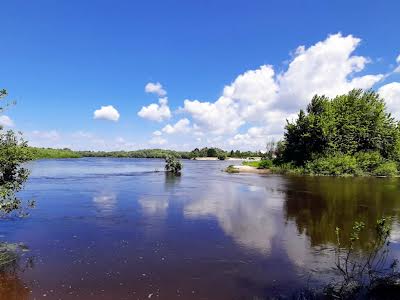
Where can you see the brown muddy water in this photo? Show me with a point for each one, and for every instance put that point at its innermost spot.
(115, 229)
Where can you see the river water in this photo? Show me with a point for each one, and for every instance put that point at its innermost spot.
(107, 228)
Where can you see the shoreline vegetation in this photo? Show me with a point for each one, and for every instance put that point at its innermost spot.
(348, 135)
(196, 154)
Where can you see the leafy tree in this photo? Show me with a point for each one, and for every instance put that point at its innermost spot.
(347, 124)
(13, 153)
(212, 152)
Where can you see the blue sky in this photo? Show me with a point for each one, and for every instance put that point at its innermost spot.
(63, 60)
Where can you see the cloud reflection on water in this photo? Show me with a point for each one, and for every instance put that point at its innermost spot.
(105, 201)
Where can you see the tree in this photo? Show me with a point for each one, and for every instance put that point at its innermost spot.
(212, 152)
(347, 124)
(13, 152)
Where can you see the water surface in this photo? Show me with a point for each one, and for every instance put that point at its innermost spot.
(117, 229)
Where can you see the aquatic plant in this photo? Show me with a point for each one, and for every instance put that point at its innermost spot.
(360, 272)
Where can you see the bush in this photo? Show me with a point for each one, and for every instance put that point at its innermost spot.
(368, 161)
(287, 169)
(265, 164)
(338, 164)
(388, 168)
(231, 169)
(222, 157)
(173, 165)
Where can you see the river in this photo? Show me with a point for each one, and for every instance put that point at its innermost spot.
(106, 228)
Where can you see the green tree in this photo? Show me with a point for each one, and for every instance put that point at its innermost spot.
(13, 153)
(212, 152)
(347, 124)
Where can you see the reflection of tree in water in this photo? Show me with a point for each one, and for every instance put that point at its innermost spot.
(11, 286)
(171, 180)
(318, 205)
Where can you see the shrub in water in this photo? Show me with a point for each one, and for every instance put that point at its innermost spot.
(173, 165)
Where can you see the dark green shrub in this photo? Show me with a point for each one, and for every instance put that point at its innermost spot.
(222, 156)
(388, 168)
(173, 165)
(338, 164)
(265, 164)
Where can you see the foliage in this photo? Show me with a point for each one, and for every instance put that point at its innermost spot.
(265, 164)
(144, 153)
(388, 168)
(254, 163)
(212, 152)
(368, 161)
(259, 164)
(346, 124)
(222, 156)
(287, 169)
(351, 134)
(231, 169)
(40, 153)
(173, 165)
(362, 272)
(13, 153)
(338, 164)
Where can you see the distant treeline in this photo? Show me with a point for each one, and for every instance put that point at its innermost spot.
(39, 153)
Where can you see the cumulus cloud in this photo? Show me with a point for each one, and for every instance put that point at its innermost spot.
(158, 140)
(328, 68)
(182, 126)
(156, 112)
(264, 100)
(391, 93)
(6, 121)
(155, 88)
(106, 113)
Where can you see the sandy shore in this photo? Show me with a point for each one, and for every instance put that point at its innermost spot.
(248, 169)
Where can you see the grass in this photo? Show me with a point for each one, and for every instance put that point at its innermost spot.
(259, 164)
(254, 164)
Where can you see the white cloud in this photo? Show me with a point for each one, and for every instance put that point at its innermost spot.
(262, 99)
(157, 140)
(155, 88)
(106, 113)
(182, 126)
(391, 93)
(156, 112)
(6, 121)
(157, 133)
(328, 68)
(398, 59)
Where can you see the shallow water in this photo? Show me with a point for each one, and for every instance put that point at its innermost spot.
(116, 229)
